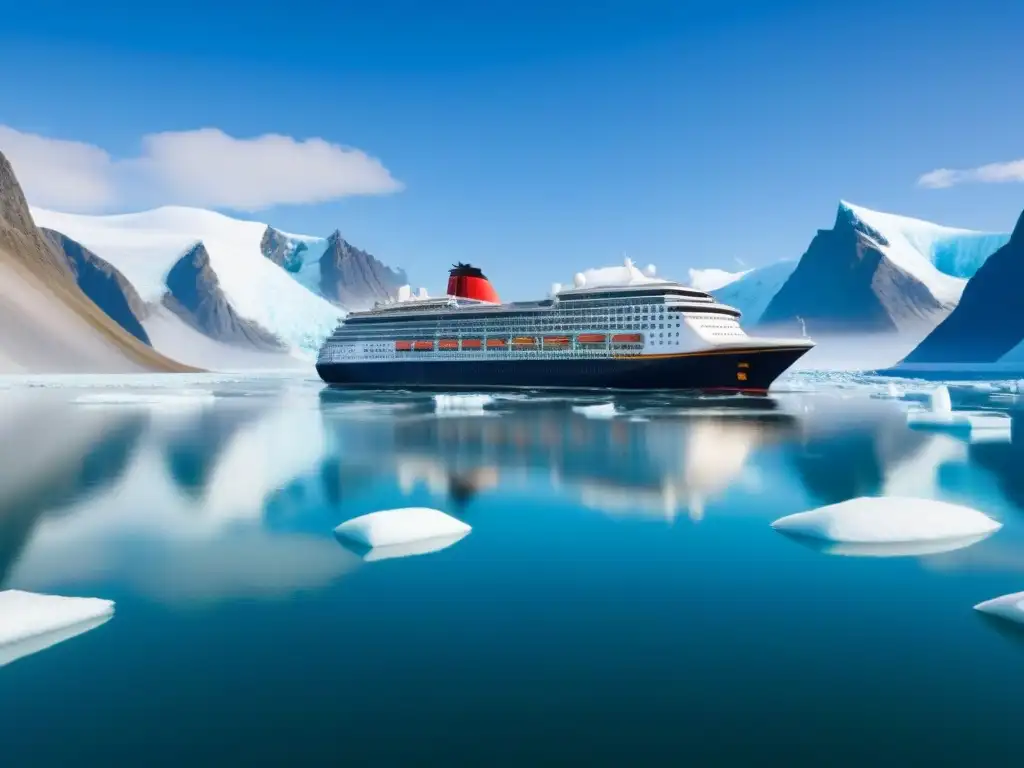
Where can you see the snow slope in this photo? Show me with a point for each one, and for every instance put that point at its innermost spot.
(144, 246)
(709, 280)
(751, 291)
(943, 258)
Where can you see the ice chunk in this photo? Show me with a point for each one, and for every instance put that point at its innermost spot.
(31, 622)
(599, 411)
(888, 520)
(1010, 607)
(461, 403)
(968, 421)
(940, 401)
(402, 532)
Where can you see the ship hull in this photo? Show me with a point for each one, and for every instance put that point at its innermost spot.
(749, 370)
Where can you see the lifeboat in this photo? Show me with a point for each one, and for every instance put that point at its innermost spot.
(423, 346)
(591, 338)
(556, 341)
(448, 344)
(403, 346)
(471, 344)
(628, 338)
(524, 341)
(496, 343)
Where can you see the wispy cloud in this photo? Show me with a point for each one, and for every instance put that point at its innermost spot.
(993, 173)
(204, 167)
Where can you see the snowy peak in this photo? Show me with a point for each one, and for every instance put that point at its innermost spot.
(146, 246)
(878, 272)
(194, 294)
(354, 279)
(914, 243)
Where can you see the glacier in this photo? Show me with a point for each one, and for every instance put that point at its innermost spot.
(145, 246)
(305, 267)
(943, 258)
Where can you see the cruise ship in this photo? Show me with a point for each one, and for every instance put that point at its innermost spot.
(620, 328)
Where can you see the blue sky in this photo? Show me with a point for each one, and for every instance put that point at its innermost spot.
(539, 138)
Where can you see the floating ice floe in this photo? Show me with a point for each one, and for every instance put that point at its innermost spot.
(461, 403)
(890, 520)
(599, 411)
(942, 416)
(891, 392)
(401, 532)
(184, 399)
(1010, 607)
(31, 622)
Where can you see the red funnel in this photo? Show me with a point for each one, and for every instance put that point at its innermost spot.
(468, 282)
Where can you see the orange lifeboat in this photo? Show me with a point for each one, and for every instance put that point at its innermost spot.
(471, 344)
(448, 344)
(496, 344)
(423, 346)
(591, 338)
(524, 341)
(556, 341)
(628, 338)
(403, 346)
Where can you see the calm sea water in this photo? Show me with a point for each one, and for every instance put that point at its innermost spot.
(621, 599)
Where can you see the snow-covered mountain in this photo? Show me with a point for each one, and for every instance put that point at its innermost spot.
(987, 326)
(145, 247)
(879, 273)
(333, 268)
(749, 291)
(49, 324)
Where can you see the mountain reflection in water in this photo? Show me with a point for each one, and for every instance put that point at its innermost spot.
(193, 505)
(621, 580)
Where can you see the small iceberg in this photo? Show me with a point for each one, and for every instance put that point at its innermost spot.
(892, 392)
(599, 411)
(401, 532)
(889, 520)
(31, 622)
(461, 403)
(942, 416)
(1009, 607)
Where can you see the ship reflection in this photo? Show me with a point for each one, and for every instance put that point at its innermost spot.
(628, 465)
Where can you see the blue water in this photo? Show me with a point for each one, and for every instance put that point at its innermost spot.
(621, 599)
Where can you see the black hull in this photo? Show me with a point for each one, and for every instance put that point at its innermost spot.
(751, 370)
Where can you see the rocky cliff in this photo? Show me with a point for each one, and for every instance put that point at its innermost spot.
(988, 321)
(194, 294)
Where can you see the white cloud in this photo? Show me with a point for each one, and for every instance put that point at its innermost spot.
(205, 167)
(993, 173)
(68, 175)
